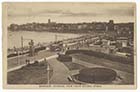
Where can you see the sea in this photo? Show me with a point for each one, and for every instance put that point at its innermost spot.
(14, 37)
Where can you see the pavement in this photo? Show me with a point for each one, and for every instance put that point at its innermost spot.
(60, 72)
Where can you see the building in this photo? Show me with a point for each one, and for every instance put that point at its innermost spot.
(49, 21)
(111, 25)
(123, 41)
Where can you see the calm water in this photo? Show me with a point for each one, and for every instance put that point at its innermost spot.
(14, 38)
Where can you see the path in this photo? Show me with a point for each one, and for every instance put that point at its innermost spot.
(60, 72)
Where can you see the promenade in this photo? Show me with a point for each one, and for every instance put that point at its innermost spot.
(20, 60)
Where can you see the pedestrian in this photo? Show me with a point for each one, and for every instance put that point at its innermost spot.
(45, 60)
(27, 61)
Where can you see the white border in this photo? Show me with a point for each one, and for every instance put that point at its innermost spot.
(36, 90)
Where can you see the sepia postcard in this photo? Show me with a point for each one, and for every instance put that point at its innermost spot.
(69, 45)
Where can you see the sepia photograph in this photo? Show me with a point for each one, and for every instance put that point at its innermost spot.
(69, 45)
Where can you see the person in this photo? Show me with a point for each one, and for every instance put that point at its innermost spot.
(15, 50)
(45, 60)
(27, 61)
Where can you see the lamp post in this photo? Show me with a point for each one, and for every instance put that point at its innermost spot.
(22, 44)
(18, 58)
(48, 73)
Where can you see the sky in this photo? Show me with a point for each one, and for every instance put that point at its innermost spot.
(21, 13)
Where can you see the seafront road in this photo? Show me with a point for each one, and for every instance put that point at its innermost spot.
(19, 61)
(40, 60)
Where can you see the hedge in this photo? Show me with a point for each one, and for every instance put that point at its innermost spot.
(64, 58)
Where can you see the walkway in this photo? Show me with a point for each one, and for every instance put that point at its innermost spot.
(60, 72)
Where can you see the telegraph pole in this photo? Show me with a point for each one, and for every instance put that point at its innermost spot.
(18, 62)
(21, 44)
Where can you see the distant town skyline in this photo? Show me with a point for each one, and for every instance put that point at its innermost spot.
(22, 13)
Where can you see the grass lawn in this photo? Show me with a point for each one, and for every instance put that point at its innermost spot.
(73, 66)
(107, 63)
(35, 73)
(125, 71)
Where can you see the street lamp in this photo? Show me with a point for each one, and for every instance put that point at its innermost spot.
(48, 73)
(18, 62)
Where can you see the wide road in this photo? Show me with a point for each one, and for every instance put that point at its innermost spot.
(20, 60)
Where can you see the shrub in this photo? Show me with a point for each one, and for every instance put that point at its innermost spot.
(64, 58)
(36, 62)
